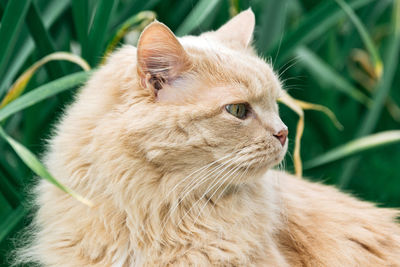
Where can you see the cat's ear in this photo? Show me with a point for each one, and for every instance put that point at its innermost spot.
(239, 30)
(160, 57)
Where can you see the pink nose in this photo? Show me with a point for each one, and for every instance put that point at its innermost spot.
(281, 136)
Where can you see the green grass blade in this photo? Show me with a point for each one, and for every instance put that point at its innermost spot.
(43, 92)
(11, 23)
(50, 15)
(354, 147)
(136, 22)
(197, 16)
(43, 41)
(150, 4)
(12, 220)
(315, 24)
(20, 84)
(182, 9)
(13, 175)
(80, 13)
(371, 119)
(98, 31)
(376, 59)
(37, 167)
(272, 23)
(12, 196)
(326, 74)
(133, 7)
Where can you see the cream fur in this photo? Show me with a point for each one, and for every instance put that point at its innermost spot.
(129, 150)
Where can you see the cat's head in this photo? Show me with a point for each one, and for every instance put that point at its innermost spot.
(205, 98)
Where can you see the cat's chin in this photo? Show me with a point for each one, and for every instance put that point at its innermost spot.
(260, 168)
(280, 156)
(257, 170)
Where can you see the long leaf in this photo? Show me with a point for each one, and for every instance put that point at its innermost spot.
(315, 24)
(299, 106)
(80, 12)
(49, 16)
(136, 22)
(8, 224)
(197, 16)
(11, 23)
(98, 30)
(364, 36)
(272, 23)
(381, 93)
(12, 196)
(327, 74)
(19, 86)
(43, 41)
(43, 92)
(355, 147)
(37, 167)
(134, 7)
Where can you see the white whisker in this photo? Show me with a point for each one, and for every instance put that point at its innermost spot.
(236, 178)
(196, 171)
(216, 190)
(199, 182)
(289, 65)
(210, 187)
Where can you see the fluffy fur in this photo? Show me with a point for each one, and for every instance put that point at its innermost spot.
(178, 181)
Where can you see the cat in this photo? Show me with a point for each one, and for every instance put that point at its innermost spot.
(174, 141)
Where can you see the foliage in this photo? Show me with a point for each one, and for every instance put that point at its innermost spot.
(342, 55)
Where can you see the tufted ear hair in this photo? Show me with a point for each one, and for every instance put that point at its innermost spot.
(160, 57)
(239, 30)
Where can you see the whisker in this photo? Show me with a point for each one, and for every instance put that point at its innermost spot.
(204, 177)
(210, 187)
(297, 84)
(280, 41)
(216, 190)
(246, 171)
(293, 62)
(196, 171)
(286, 64)
(199, 182)
(236, 178)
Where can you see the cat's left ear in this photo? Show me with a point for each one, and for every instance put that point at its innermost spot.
(160, 57)
(239, 30)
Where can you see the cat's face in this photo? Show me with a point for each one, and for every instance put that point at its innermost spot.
(211, 98)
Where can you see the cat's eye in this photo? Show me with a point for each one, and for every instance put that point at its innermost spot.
(238, 110)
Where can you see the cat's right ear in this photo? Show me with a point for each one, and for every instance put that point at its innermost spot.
(160, 57)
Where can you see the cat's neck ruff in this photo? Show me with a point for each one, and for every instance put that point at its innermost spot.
(185, 213)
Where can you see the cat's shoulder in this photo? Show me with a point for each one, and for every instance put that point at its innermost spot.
(322, 223)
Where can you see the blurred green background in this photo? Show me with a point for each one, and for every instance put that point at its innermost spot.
(340, 54)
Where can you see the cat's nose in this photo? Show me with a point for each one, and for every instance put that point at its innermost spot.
(282, 135)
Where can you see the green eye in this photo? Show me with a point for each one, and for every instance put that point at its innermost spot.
(237, 110)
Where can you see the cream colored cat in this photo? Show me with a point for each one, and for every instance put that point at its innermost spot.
(173, 141)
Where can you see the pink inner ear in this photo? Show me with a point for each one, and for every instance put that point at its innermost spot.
(238, 30)
(160, 54)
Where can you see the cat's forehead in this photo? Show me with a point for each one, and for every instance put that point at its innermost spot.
(222, 64)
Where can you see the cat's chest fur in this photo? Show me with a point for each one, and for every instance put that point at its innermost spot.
(238, 230)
